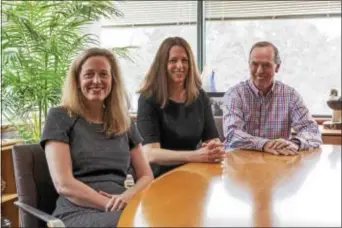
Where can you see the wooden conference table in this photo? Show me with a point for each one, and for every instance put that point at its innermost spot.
(248, 188)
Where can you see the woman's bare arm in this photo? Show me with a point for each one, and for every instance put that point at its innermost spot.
(60, 167)
(155, 154)
(142, 169)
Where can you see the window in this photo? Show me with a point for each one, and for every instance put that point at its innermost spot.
(145, 25)
(310, 46)
(307, 33)
(310, 50)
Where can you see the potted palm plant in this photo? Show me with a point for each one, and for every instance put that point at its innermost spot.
(39, 39)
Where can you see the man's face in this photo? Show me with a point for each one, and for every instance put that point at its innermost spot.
(262, 67)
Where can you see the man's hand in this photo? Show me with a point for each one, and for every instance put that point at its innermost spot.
(291, 149)
(281, 146)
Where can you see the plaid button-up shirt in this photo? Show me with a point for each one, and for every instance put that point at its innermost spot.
(251, 119)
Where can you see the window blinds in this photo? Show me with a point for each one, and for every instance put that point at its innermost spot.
(154, 12)
(138, 13)
(225, 10)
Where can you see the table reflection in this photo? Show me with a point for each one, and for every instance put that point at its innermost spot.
(255, 189)
(160, 202)
(249, 188)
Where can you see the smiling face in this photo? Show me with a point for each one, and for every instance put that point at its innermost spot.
(95, 79)
(178, 65)
(262, 67)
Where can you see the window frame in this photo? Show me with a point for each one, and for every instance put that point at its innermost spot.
(201, 37)
(201, 34)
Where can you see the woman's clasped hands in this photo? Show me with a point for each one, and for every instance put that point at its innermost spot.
(212, 151)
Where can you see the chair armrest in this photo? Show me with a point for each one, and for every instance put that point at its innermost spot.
(50, 220)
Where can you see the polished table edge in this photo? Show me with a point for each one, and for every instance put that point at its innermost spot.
(132, 206)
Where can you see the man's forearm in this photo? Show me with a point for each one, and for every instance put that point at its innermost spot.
(242, 140)
(309, 142)
(309, 136)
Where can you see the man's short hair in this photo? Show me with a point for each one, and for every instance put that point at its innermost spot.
(277, 59)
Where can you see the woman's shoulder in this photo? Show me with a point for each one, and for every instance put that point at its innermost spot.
(58, 111)
(146, 99)
(202, 92)
(203, 96)
(61, 114)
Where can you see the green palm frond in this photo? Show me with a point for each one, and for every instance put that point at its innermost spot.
(39, 39)
(124, 52)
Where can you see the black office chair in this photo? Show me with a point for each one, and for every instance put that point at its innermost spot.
(36, 193)
(219, 127)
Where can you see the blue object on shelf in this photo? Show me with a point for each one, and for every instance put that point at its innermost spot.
(212, 82)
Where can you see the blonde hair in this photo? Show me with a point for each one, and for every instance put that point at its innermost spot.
(116, 118)
(155, 82)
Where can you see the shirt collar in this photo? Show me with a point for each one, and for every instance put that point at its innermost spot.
(257, 92)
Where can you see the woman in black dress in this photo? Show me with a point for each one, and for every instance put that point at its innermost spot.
(174, 115)
(90, 142)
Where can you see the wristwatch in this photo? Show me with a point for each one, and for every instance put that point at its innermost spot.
(296, 141)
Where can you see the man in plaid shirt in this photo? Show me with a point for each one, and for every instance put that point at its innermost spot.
(259, 113)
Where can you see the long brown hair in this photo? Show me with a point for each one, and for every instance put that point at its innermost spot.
(155, 82)
(116, 118)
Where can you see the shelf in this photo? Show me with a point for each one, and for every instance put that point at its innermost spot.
(5, 143)
(8, 209)
(8, 197)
